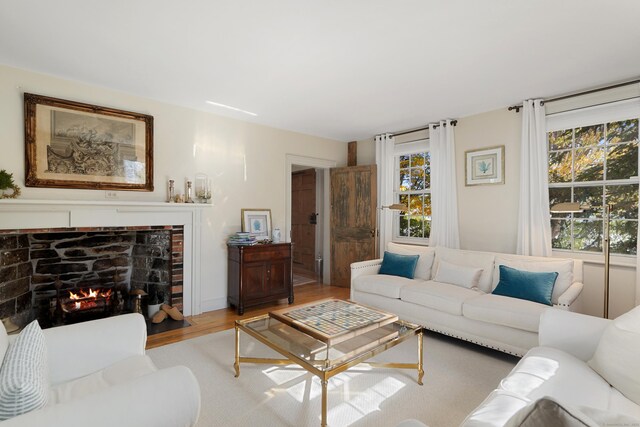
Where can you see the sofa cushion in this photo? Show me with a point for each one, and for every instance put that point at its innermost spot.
(483, 260)
(528, 285)
(425, 262)
(123, 371)
(399, 265)
(381, 284)
(24, 376)
(506, 311)
(617, 357)
(564, 268)
(458, 275)
(439, 296)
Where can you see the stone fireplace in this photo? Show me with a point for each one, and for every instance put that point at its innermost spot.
(49, 249)
(41, 271)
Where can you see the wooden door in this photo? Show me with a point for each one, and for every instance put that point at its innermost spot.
(303, 219)
(353, 219)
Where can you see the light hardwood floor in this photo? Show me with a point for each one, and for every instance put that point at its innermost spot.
(219, 320)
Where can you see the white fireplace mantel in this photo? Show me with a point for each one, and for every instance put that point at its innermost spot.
(29, 214)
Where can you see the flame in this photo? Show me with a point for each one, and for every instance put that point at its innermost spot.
(91, 294)
(84, 299)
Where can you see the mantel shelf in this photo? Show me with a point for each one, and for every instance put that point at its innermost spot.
(9, 202)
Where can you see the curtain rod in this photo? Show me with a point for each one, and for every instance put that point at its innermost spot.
(586, 92)
(405, 132)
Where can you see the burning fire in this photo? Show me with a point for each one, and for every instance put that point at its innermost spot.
(84, 299)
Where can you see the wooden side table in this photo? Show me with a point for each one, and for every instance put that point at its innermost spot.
(259, 274)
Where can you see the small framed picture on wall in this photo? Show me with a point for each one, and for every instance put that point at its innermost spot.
(484, 166)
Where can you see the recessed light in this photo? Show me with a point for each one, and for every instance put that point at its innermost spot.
(217, 104)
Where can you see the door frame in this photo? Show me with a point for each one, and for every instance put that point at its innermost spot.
(325, 165)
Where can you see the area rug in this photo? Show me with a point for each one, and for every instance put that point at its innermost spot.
(458, 376)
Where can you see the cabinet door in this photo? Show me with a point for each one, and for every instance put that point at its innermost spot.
(279, 276)
(254, 280)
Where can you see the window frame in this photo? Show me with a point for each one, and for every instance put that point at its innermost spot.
(592, 116)
(404, 149)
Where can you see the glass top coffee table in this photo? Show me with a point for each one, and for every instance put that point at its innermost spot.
(328, 337)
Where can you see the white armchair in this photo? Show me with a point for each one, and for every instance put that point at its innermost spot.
(100, 376)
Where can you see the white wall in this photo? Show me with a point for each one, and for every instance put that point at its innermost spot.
(488, 214)
(245, 161)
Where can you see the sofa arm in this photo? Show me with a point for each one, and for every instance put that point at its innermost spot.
(83, 348)
(166, 398)
(569, 296)
(364, 268)
(574, 333)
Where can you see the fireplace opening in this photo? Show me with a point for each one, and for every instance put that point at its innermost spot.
(65, 276)
(86, 303)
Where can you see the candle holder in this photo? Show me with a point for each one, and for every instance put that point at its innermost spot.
(203, 188)
(188, 198)
(172, 195)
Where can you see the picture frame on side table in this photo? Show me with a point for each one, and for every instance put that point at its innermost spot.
(70, 144)
(257, 222)
(484, 166)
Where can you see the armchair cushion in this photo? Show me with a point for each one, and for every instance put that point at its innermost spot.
(120, 372)
(175, 403)
(97, 344)
(24, 377)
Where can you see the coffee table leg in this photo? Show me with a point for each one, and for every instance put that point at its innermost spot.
(236, 364)
(323, 422)
(420, 367)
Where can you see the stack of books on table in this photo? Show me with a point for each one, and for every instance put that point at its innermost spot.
(242, 238)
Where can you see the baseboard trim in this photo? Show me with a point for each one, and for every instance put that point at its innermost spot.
(214, 304)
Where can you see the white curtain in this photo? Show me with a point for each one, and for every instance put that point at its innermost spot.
(444, 196)
(534, 228)
(384, 162)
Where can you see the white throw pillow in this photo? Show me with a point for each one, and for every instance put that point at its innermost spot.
(427, 254)
(24, 375)
(617, 357)
(473, 259)
(564, 268)
(459, 275)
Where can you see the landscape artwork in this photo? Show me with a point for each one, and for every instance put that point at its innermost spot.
(75, 145)
(485, 166)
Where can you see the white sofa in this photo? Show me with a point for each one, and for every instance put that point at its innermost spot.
(503, 323)
(100, 376)
(558, 369)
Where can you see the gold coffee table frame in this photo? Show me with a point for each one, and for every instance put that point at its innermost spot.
(325, 368)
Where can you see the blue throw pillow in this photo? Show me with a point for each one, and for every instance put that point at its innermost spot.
(399, 265)
(529, 285)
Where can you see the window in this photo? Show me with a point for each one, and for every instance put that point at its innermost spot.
(595, 164)
(413, 189)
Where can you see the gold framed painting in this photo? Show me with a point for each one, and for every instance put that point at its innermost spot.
(484, 166)
(75, 145)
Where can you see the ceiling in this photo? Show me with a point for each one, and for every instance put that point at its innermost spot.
(344, 70)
